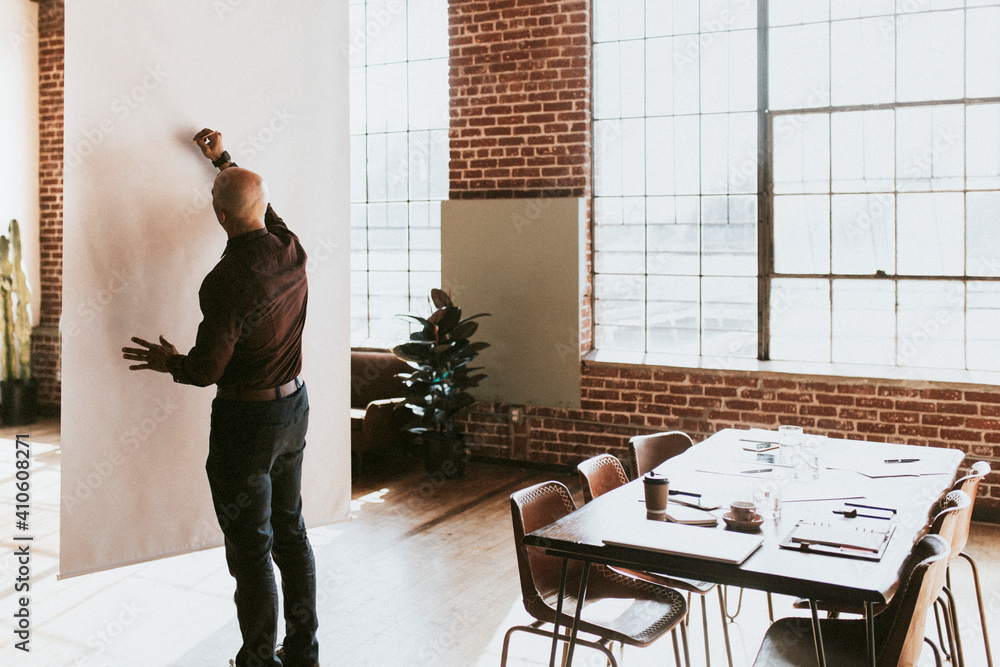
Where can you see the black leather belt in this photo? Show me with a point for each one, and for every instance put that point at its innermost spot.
(272, 394)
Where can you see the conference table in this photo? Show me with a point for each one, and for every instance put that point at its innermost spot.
(902, 484)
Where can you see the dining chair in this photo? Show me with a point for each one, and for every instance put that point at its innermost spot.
(950, 515)
(899, 628)
(969, 485)
(604, 472)
(648, 451)
(651, 610)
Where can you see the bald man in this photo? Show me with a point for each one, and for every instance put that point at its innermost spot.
(249, 344)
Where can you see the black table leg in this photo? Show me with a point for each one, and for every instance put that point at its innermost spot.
(559, 606)
(817, 634)
(579, 608)
(870, 631)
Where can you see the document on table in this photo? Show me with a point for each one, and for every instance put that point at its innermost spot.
(690, 541)
(840, 539)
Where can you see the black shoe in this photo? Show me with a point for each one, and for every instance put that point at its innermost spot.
(280, 652)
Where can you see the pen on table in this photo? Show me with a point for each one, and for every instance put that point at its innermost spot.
(901, 460)
(674, 492)
(871, 507)
(750, 472)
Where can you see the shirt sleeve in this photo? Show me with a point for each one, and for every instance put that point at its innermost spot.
(218, 332)
(272, 221)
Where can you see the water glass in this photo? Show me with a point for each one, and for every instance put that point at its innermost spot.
(767, 497)
(806, 465)
(789, 439)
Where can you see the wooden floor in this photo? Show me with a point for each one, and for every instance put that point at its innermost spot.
(423, 574)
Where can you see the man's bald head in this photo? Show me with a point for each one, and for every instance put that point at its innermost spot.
(239, 197)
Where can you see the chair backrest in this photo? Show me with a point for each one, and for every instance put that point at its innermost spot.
(970, 485)
(600, 474)
(956, 509)
(648, 451)
(533, 508)
(900, 627)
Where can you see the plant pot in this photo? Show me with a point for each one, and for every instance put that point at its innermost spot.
(444, 455)
(18, 402)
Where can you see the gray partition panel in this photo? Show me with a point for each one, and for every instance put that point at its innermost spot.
(520, 260)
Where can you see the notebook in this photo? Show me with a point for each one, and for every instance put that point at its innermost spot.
(689, 541)
(690, 516)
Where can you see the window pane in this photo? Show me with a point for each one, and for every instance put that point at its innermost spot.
(802, 234)
(729, 317)
(673, 315)
(983, 147)
(930, 56)
(800, 320)
(801, 153)
(862, 144)
(930, 324)
(931, 238)
(930, 148)
(800, 66)
(863, 67)
(864, 233)
(982, 55)
(983, 233)
(983, 327)
(864, 322)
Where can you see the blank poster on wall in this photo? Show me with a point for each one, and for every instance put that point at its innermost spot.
(520, 260)
(140, 235)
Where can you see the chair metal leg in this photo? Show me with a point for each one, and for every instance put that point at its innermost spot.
(956, 649)
(937, 656)
(940, 632)
(535, 629)
(704, 623)
(951, 655)
(982, 610)
(677, 650)
(770, 607)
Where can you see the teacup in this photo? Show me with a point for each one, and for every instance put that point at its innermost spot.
(743, 510)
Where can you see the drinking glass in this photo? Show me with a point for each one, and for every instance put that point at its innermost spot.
(789, 439)
(767, 497)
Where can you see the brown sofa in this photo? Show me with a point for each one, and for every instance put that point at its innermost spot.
(375, 394)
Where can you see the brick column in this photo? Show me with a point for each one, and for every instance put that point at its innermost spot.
(45, 342)
(520, 98)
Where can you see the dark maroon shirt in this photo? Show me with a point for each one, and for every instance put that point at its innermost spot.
(253, 306)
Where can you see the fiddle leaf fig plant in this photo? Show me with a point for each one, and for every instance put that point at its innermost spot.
(440, 351)
(15, 313)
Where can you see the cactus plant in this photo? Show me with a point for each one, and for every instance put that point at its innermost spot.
(15, 310)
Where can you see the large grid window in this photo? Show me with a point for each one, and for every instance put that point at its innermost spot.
(806, 181)
(399, 161)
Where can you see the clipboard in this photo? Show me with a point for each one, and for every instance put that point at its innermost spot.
(838, 540)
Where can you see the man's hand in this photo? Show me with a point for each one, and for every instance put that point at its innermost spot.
(153, 358)
(210, 143)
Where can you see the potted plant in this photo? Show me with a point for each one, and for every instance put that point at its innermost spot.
(437, 389)
(18, 390)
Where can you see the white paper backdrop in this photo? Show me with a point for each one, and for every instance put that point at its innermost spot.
(139, 235)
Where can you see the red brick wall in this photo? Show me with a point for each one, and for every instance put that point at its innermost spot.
(46, 346)
(520, 98)
(619, 401)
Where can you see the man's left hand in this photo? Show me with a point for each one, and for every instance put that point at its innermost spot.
(153, 358)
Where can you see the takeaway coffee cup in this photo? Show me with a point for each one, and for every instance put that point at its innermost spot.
(656, 489)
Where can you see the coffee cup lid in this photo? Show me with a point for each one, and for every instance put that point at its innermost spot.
(652, 477)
